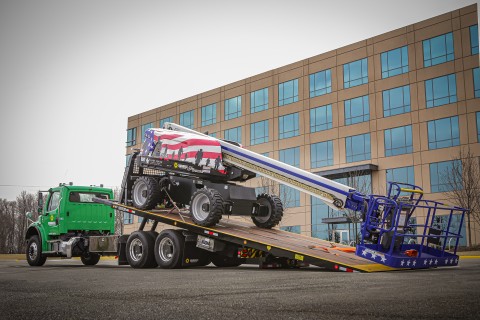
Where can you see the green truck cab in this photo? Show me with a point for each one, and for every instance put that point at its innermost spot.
(70, 224)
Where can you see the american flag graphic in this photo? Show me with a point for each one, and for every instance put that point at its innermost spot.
(195, 149)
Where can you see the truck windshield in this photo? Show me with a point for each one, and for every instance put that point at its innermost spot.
(86, 196)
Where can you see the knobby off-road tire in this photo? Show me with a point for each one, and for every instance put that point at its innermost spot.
(206, 207)
(140, 250)
(90, 258)
(169, 249)
(146, 193)
(34, 252)
(275, 211)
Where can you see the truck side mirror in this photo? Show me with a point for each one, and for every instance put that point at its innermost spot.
(40, 203)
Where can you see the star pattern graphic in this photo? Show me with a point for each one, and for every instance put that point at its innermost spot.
(414, 263)
(364, 252)
(374, 255)
(383, 258)
(425, 262)
(446, 261)
(436, 261)
(408, 263)
(402, 263)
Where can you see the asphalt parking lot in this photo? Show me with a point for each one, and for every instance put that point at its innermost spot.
(66, 289)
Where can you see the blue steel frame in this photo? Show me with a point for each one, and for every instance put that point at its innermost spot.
(387, 223)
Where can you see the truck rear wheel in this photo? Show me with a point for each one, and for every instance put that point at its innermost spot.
(90, 258)
(145, 193)
(139, 249)
(34, 252)
(169, 249)
(275, 211)
(206, 207)
(225, 262)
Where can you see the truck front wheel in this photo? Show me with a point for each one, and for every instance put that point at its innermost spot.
(275, 211)
(139, 249)
(34, 252)
(90, 259)
(206, 207)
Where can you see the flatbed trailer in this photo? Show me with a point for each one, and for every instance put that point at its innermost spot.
(290, 248)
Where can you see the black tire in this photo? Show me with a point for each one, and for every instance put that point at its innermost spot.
(90, 258)
(225, 262)
(275, 211)
(35, 258)
(206, 207)
(139, 250)
(169, 249)
(145, 193)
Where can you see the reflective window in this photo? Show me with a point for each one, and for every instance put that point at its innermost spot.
(288, 92)
(357, 110)
(474, 39)
(396, 101)
(127, 218)
(165, 120)
(443, 133)
(294, 229)
(145, 127)
(290, 156)
(259, 100)
(321, 118)
(290, 197)
(320, 83)
(127, 159)
(54, 201)
(478, 126)
(288, 126)
(212, 134)
(131, 137)
(321, 154)
(438, 50)
(209, 114)
(355, 73)
(403, 175)
(476, 82)
(440, 91)
(358, 147)
(233, 108)
(398, 141)
(441, 178)
(234, 134)
(186, 119)
(259, 132)
(394, 62)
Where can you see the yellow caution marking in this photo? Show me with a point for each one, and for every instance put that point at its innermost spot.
(187, 260)
(469, 257)
(373, 267)
(244, 241)
(298, 257)
(411, 190)
(269, 248)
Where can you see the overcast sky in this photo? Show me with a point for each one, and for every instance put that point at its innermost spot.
(71, 72)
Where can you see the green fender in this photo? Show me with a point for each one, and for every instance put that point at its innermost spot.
(37, 229)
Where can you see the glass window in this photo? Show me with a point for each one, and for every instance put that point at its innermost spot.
(474, 39)
(403, 175)
(321, 118)
(355, 73)
(165, 120)
(438, 50)
(290, 156)
(441, 90)
(265, 154)
(288, 126)
(398, 141)
(259, 132)
(440, 173)
(394, 62)
(233, 108)
(288, 92)
(357, 110)
(290, 197)
(186, 119)
(294, 229)
(321, 154)
(127, 218)
(396, 101)
(443, 133)
(127, 159)
(320, 83)
(259, 100)
(234, 134)
(54, 201)
(147, 126)
(209, 114)
(476, 82)
(358, 147)
(478, 126)
(212, 134)
(131, 137)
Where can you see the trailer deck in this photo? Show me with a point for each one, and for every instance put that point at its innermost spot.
(279, 243)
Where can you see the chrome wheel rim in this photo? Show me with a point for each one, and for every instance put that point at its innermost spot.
(264, 202)
(197, 207)
(166, 249)
(33, 251)
(136, 249)
(138, 197)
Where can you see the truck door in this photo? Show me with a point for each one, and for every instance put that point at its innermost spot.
(51, 214)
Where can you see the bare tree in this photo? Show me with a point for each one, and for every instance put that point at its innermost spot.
(25, 203)
(462, 180)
